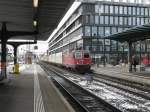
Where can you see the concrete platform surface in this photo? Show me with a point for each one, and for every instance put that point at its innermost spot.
(122, 73)
(31, 91)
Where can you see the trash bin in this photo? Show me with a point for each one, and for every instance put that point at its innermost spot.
(16, 68)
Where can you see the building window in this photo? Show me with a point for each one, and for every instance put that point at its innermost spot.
(134, 10)
(96, 19)
(116, 10)
(131, 1)
(94, 48)
(129, 21)
(142, 21)
(113, 45)
(117, 0)
(114, 30)
(101, 41)
(126, 28)
(94, 41)
(138, 11)
(101, 31)
(100, 48)
(138, 21)
(91, 19)
(101, 19)
(96, 8)
(139, 1)
(121, 20)
(149, 20)
(120, 29)
(134, 20)
(107, 48)
(125, 20)
(149, 11)
(87, 48)
(146, 11)
(142, 11)
(148, 45)
(107, 42)
(94, 31)
(125, 10)
(107, 31)
(121, 10)
(106, 20)
(111, 9)
(106, 9)
(101, 9)
(124, 1)
(129, 10)
(87, 31)
(146, 20)
(111, 20)
(86, 19)
(116, 20)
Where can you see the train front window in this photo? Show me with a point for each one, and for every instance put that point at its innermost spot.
(86, 55)
(78, 55)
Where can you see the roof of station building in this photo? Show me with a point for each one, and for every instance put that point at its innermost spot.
(132, 35)
(19, 15)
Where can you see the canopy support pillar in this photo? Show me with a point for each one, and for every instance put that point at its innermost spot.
(130, 56)
(4, 39)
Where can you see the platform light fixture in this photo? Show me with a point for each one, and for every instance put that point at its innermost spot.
(35, 23)
(35, 3)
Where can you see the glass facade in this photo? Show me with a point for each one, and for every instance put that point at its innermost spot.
(100, 20)
(145, 2)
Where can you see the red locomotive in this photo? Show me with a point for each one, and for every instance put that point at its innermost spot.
(145, 60)
(77, 59)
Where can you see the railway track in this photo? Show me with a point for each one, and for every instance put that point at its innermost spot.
(87, 101)
(135, 97)
(141, 90)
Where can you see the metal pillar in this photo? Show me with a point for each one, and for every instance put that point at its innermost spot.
(15, 55)
(15, 46)
(104, 62)
(4, 39)
(130, 56)
(5, 35)
(140, 55)
(16, 65)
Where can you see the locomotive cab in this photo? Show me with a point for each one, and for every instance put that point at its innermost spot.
(82, 60)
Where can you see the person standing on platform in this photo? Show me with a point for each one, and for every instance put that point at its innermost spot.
(134, 63)
(89, 78)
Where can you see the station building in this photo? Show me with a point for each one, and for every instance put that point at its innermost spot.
(92, 21)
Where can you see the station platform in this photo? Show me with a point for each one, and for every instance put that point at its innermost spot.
(31, 91)
(141, 77)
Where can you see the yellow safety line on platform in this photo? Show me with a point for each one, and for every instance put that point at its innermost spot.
(38, 100)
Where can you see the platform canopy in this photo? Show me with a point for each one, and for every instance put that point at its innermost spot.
(19, 15)
(132, 35)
